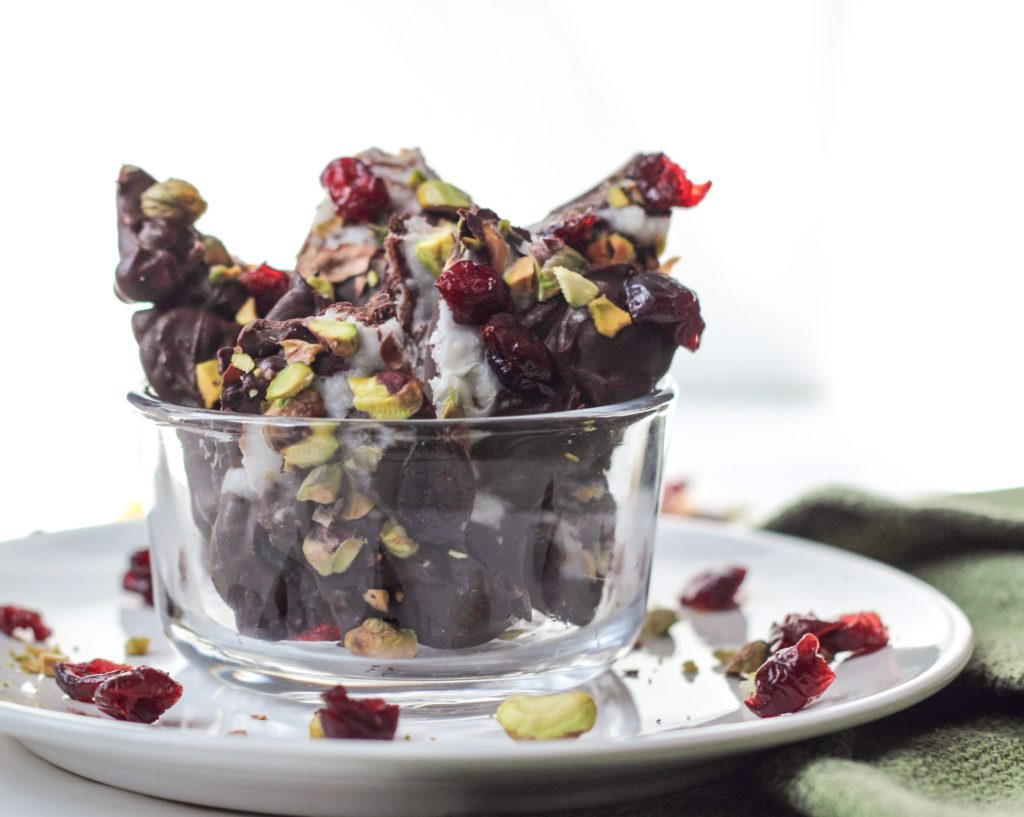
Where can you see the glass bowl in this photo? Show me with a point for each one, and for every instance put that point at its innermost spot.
(413, 556)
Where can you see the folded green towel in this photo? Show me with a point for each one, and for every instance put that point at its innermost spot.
(959, 754)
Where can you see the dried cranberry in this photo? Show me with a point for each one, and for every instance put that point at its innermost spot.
(79, 681)
(576, 230)
(367, 718)
(795, 626)
(322, 632)
(17, 618)
(658, 299)
(358, 194)
(139, 578)
(860, 633)
(664, 185)
(521, 361)
(140, 695)
(266, 285)
(790, 680)
(473, 292)
(714, 591)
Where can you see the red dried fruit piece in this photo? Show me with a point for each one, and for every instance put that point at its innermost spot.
(367, 718)
(322, 632)
(714, 591)
(139, 578)
(18, 618)
(358, 194)
(860, 633)
(795, 626)
(576, 230)
(266, 285)
(473, 292)
(140, 695)
(79, 681)
(520, 360)
(790, 679)
(664, 185)
(655, 298)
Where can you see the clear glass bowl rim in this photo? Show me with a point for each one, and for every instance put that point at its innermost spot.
(166, 413)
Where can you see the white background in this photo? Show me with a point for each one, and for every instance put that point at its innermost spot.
(859, 258)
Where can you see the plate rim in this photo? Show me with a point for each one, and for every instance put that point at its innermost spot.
(32, 725)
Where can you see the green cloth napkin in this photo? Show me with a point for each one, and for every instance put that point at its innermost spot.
(959, 754)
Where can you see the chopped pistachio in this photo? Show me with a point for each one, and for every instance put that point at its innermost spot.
(329, 556)
(690, 668)
(747, 659)
(315, 449)
(321, 286)
(243, 362)
(547, 717)
(617, 197)
(609, 320)
(571, 457)
(288, 382)
(372, 396)
(377, 598)
(434, 250)
(520, 275)
(219, 273)
(247, 313)
(658, 622)
(208, 380)
(578, 291)
(136, 645)
(340, 336)
(376, 638)
(372, 279)
(321, 485)
(415, 178)
(434, 194)
(396, 541)
(316, 728)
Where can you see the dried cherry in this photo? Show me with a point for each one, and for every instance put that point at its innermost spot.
(140, 695)
(358, 194)
(790, 679)
(664, 185)
(860, 633)
(519, 358)
(139, 578)
(473, 292)
(266, 285)
(18, 618)
(576, 230)
(322, 632)
(795, 626)
(658, 299)
(714, 591)
(79, 681)
(366, 718)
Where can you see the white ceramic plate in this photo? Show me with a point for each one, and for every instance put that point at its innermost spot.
(656, 731)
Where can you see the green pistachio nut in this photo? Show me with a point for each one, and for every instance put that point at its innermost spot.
(321, 485)
(617, 198)
(173, 198)
(214, 252)
(578, 291)
(338, 335)
(321, 286)
(434, 194)
(376, 638)
(288, 382)
(434, 250)
(316, 449)
(547, 717)
(209, 382)
(609, 319)
(329, 554)
(241, 361)
(396, 541)
(378, 396)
